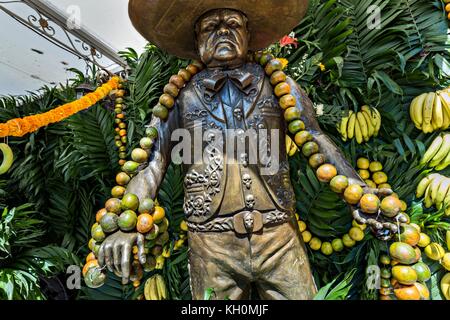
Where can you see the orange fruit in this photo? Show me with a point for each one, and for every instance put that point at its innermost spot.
(407, 293)
(423, 271)
(363, 163)
(90, 264)
(159, 214)
(402, 252)
(326, 172)
(127, 220)
(146, 206)
(292, 114)
(139, 155)
(178, 81)
(404, 274)
(186, 75)
(130, 201)
(409, 235)
(356, 234)
(379, 177)
(100, 214)
(302, 137)
(118, 192)
(113, 205)
(385, 186)
(122, 179)
(277, 77)
(272, 66)
(167, 101)
(282, 88)
(375, 166)
(310, 148)
(364, 174)
(338, 184)
(287, 101)
(171, 89)
(144, 223)
(353, 194)
(370, 183)
(90, 256)
(109, 222)
(316, 160)
(370, 203)
(391, 206)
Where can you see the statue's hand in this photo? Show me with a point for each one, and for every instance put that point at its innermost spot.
(115, 252)
(384, 227)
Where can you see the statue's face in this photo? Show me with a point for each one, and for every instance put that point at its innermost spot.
(222, 38)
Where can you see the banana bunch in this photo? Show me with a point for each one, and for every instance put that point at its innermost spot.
(435, 189)
(291, 146)
(155, 288)
(438, 154)
(8, 158)
(361, 125)
(431, 111)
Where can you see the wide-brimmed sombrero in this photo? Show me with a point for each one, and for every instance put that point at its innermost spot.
(169, 24)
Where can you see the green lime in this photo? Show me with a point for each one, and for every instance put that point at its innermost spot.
(127, 220)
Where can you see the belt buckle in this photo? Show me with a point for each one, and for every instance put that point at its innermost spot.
(248, 222)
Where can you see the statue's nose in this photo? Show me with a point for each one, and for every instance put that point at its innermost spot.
(224, 31)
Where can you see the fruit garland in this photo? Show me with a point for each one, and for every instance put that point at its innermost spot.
(431, 111)
(120, 211)
(120, 124)
(21, 126)
(404, 274)
(126, 212)
(356, 232)
(361, 125)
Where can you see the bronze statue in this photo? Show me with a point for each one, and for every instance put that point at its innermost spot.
(242, 229)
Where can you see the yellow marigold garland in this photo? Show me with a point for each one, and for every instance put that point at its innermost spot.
(22, 126)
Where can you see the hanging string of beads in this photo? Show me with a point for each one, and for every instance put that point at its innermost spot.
(120, 125)
(125, 212)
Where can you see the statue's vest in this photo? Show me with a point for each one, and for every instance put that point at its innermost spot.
(223, 185)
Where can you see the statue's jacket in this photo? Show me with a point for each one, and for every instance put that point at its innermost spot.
(226, 183)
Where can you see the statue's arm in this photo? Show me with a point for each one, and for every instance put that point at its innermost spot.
(115, 251)
(327, 146)
(147, 182)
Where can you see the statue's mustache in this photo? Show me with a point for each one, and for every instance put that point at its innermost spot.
(221, 39)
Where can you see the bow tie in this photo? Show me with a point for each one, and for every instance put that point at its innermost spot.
(216, 81)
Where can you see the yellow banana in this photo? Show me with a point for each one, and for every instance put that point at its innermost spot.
(447, 238)
(351, 126)
(291, 147)
(343, 129)
(445, 286)
(445, 99)
(428, 201)
(378, 121)
(446, 113)
(443, 190)
(372, 115)
(8, 158)
(363, 126)
(444, 163)
(428, 112)
(432, 150)
(444, 150)
(438, 117)
(150, 289)
(370, 126)
(434, 187)
(358, 133)
(415, 110)
(422, 187)
(161, 287)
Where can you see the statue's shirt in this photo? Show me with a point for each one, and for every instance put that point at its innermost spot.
(229, 180)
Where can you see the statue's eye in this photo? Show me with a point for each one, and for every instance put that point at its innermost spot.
(209, 26)
(233, 24)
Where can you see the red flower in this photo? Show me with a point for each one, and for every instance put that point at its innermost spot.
(286, 41)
